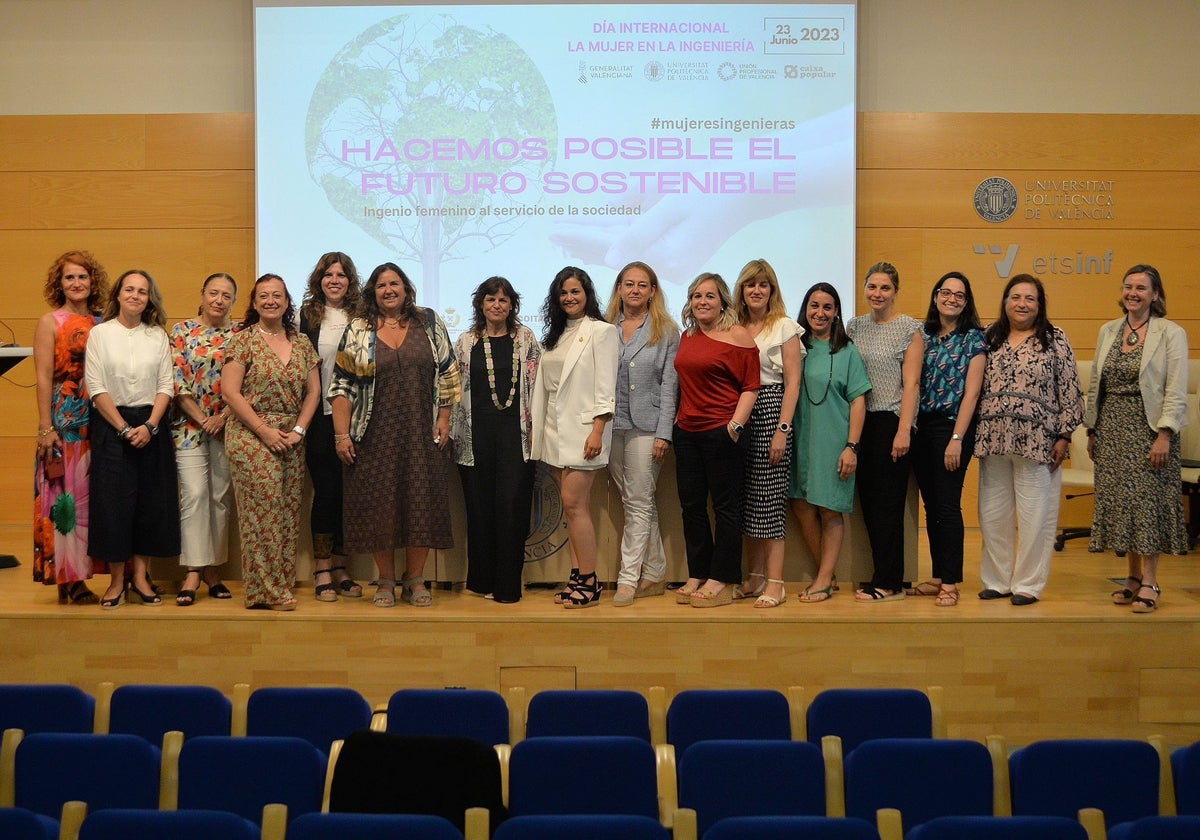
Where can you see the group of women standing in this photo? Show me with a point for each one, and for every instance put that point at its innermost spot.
(761, 409)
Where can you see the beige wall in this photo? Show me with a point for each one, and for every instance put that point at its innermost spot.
(1052, 56)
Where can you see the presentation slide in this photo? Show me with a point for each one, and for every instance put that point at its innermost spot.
(463, 142)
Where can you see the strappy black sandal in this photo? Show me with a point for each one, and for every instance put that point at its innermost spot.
(347, 587)
(562, 596)
(585, 592)
(1124, 597)
(1146, 605)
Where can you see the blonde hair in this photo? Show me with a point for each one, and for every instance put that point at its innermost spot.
(728, 317)
(660, 319)
(775, 306)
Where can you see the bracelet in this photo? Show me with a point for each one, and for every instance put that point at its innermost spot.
(124, 433)
(151, 427)
(852, 446)
(49, 430)
(339, 438)
(259, 426)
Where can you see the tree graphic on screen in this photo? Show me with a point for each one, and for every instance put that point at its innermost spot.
(378, 109)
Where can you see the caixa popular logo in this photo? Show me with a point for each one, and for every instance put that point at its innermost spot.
(996, 200)
(547, 529)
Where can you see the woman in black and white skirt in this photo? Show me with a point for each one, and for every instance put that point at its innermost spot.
(761, 311)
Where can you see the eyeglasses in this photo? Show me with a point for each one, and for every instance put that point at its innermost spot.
(950, 294)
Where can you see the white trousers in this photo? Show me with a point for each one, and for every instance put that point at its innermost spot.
(205, 501)
(1018, 515)
(635, 472)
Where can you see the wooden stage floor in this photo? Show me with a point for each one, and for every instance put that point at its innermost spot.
(1072, 665)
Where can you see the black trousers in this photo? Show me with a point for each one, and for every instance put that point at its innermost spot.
(882, 489)
(325, 469)
(941, 491)
(710, 465)
(134, 493)
(498, 492)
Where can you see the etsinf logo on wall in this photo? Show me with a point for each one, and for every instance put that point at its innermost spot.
(1055, 262)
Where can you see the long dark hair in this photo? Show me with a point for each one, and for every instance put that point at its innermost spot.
(552, 311)
(370, 307)
(312, 309)
(289, 314)
(998, 332)
(838, 337)
(968, 318)
(493, 286)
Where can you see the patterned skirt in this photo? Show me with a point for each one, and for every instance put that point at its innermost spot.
(1138, 509)
(765, 486)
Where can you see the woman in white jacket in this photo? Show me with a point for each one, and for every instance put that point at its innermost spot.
(1136, 405)
(573, 401)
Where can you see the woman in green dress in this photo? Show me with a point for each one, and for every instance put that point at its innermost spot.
(832, 409)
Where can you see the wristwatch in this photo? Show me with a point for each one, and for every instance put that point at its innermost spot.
(852, 446)
(736, 427)
(784, 427)
(153, 429)
(956, 436)
(300, 430)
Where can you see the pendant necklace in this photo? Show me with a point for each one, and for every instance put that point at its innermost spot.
(828, 384)
(491, 373)
(1132, 339)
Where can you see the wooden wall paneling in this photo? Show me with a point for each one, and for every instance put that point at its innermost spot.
(15, 209)
(174, 256)
(231, 250)
(84, 142)
(200, 141)
(937, 198)
(171, 256)
(16, 475)
(1052, 142)
(86, 200)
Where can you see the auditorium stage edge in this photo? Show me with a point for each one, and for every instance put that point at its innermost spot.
(1070, 666)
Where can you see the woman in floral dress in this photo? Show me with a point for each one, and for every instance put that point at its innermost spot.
(272, 382)
(75, 285)
(205, 487)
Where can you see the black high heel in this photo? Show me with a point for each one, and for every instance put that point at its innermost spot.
(151, 600)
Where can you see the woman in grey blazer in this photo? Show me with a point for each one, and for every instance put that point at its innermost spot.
(1136, 405)
(645, 412)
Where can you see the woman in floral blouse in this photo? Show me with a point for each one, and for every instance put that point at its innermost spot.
(1030, 405)
(198, 429)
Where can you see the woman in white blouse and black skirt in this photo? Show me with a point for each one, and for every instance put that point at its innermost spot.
(134, 490)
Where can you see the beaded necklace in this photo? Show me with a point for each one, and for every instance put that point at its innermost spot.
(491, 373)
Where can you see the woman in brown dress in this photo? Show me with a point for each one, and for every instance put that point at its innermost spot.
(393, 385)
(271, 381)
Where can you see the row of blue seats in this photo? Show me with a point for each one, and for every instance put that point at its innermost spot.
(323, 715)
(206, 825)
(899, 784)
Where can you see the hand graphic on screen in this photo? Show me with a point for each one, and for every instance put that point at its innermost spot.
(678, 233)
